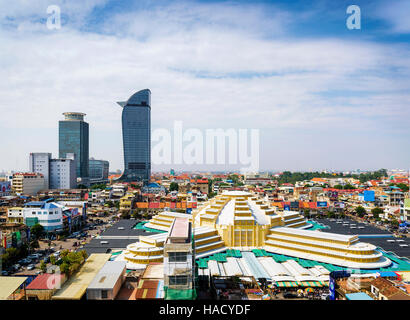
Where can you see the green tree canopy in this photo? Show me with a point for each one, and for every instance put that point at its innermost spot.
(173, 186)
(37, 231)
(360, 211)
(376, 212)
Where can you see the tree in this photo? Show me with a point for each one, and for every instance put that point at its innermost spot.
(43, 266)
(65, 268)
(100, 186)
(109, 204)
(211, 195)
(404, 187)
(173, 186)
(306, 213)
(53, 260)
(210, 182)
(72, 261)
(377, 212)
(34, 245)
(360, 211)
(37, 231)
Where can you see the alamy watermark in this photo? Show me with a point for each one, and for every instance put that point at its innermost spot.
(54, 18)
(209, 147)
(354, 20)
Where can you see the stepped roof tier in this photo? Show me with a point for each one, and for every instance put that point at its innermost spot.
(244, 221)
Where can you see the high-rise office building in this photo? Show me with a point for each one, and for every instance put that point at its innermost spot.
(99, 169)
(136, 136)
(74, 138)
(39, 162)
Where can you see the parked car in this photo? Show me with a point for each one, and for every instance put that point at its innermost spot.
(16, 267)
(289, 295)
(4, 273)
(31, 267)
(25, 261)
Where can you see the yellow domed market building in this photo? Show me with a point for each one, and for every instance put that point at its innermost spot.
(243, 221)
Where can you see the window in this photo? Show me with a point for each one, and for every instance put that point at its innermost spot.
(177, 256)
(104, 294)
(178, 280)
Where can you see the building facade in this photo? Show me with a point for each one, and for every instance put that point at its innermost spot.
(98, 169)
(15, 215)
(39, 162)
(48, 214)
(179, 256)
(74, 138)
(63, 174)
(28, 183)
(136, 134)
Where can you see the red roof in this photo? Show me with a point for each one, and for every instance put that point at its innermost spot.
(46, 281)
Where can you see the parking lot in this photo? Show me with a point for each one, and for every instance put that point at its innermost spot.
(369, 233)
(349, 226)
(116, 237)
(31, 264)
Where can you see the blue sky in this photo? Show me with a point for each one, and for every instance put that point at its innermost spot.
(323, 96)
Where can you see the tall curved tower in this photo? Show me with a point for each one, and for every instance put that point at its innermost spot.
(136, 137)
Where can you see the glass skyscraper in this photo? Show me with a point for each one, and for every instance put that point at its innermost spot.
(136, 136)
(74, 138)
(99, 169)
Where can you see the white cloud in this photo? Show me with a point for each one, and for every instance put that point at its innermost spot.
(396, 13)
(251, 80)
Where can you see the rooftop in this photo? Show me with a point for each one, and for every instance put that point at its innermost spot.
(46, 281)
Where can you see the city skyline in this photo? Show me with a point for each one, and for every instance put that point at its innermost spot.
(322, 96)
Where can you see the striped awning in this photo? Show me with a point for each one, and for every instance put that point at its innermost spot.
(310, 284)
(286, 284)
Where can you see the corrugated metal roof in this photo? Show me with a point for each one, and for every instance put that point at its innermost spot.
(108, 276)
(76, 286)
(45, 281)
(10, 284)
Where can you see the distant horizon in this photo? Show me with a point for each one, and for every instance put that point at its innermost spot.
(320, 94)
(407, 171)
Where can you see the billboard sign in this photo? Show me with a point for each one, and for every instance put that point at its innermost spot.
(5, 187)
(368, 195)
(322, 204)
(332, 289)
(286, 207)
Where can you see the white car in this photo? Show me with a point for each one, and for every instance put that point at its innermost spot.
(31, 267)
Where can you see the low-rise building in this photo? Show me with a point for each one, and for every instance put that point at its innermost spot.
(48, 214)
(108, 281)
(44, 286)
(28, 183)
(178, 260)
(383, 289)
(13, 235)
(15, 215)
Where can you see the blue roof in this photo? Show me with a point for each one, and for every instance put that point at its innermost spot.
(153, 185)
(358, 296)
(387, 274)
(39, 204)
(50, 206)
